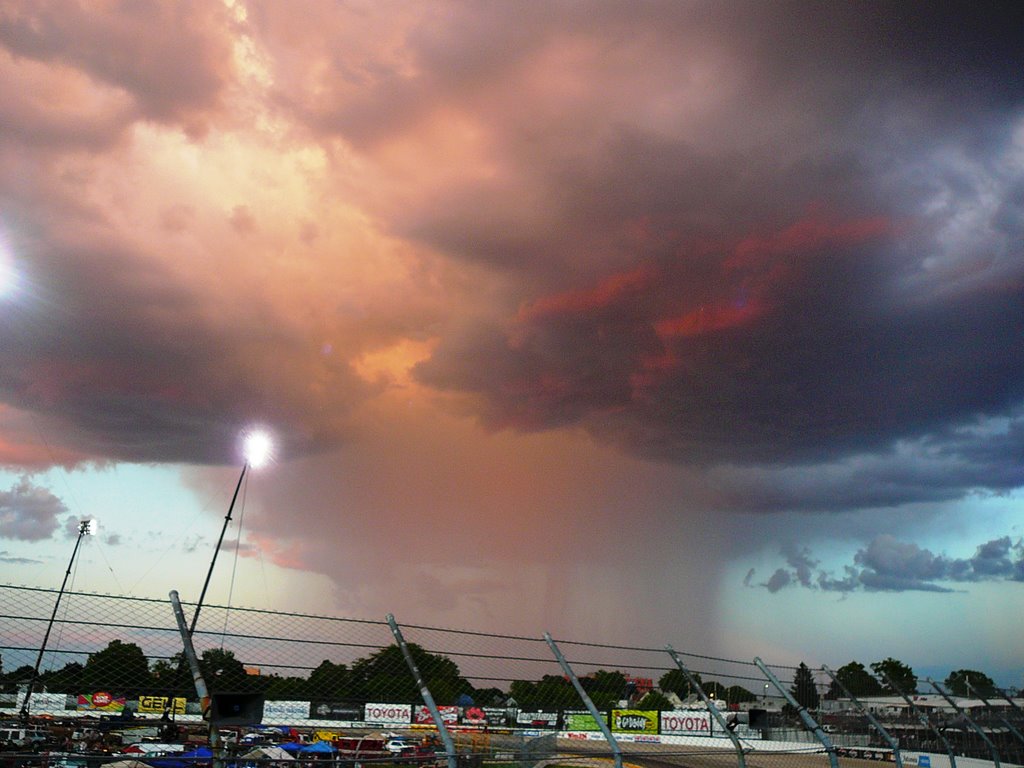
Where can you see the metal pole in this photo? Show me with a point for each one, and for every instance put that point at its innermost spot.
(740, 757)
(988, 705)
(967, 719)
(871, 718)
(209, 573)
(83, 528)
(801, 710)
(920, 716)
(591, 707)
(428, 698)
(197, 675)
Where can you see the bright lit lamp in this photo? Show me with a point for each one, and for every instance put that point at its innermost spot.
(257, 450)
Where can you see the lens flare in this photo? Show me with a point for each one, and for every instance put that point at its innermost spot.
(257, 447)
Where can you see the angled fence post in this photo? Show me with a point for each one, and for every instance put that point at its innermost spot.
(871, 718)
(920, 716)
(966, 719)
(197, 676)
(740, 756)
(601, 723)
(801, 710)
(428, 699)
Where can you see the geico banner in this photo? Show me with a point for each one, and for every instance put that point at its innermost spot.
(635, 720)
(388, 714)
(449, 715)
(153, 705)
(690, 722)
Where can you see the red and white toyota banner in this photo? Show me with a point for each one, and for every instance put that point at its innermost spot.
(690, 722)
(388, 714)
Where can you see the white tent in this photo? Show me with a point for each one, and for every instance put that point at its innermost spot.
(267, 753)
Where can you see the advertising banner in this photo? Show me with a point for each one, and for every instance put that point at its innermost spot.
(335, 710)
(101, 701)
(388, 714)
(449, 715)
(157, 705)
(537, 719)
(695, 722)
(496, 716)
(580, 721)
(634, 721)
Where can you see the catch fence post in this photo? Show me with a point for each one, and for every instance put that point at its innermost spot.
(897, 757)
(197, 676)
(801, 710)
(967, 719)
(428, 698)
(601, 723)
(921, 716)
(740, 756)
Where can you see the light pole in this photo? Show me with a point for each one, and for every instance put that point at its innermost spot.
(257, 448)
(84, 527)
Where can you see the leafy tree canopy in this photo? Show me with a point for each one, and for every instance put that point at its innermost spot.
(957, 682)
(674, 681)
(857, 680)
(654, 700)
(901, 675)
(119, 668)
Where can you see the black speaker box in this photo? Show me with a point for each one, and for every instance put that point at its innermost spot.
(236, 708)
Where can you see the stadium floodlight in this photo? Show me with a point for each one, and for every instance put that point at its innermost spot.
(257, 450)
(85, 528)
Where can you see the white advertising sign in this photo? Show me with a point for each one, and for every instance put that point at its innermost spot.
(688, 722)
(388, 714)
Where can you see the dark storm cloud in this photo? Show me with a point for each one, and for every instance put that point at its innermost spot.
(122, 350)
(168, 56)
(29, 512)
(890, 565)
(829, 267)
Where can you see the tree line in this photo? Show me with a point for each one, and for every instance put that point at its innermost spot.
(123, 669)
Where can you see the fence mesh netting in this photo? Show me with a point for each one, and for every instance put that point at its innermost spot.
(114, 684)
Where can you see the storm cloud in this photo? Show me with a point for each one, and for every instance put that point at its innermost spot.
(571, 289)
(887, 564)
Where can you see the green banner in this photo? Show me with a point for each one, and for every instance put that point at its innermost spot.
(580, 721)
(634, 721)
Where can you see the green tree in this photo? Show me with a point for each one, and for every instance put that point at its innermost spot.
(957, 683)
(223, 672)
(330, 681)
(654, 700)
(67, 679)
(277, 688)
(171, 677)
(674, 681)
(385, 677)
(120, 668)
(857, 680)
(902, 676)
(737, 694)
(803, 689)
(605, 688)
(16, 677)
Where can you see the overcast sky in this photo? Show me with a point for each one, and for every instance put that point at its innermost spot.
(644, 322)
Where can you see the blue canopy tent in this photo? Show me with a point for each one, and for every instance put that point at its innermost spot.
(184, 760)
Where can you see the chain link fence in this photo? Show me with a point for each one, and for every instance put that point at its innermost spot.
(114, 684)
